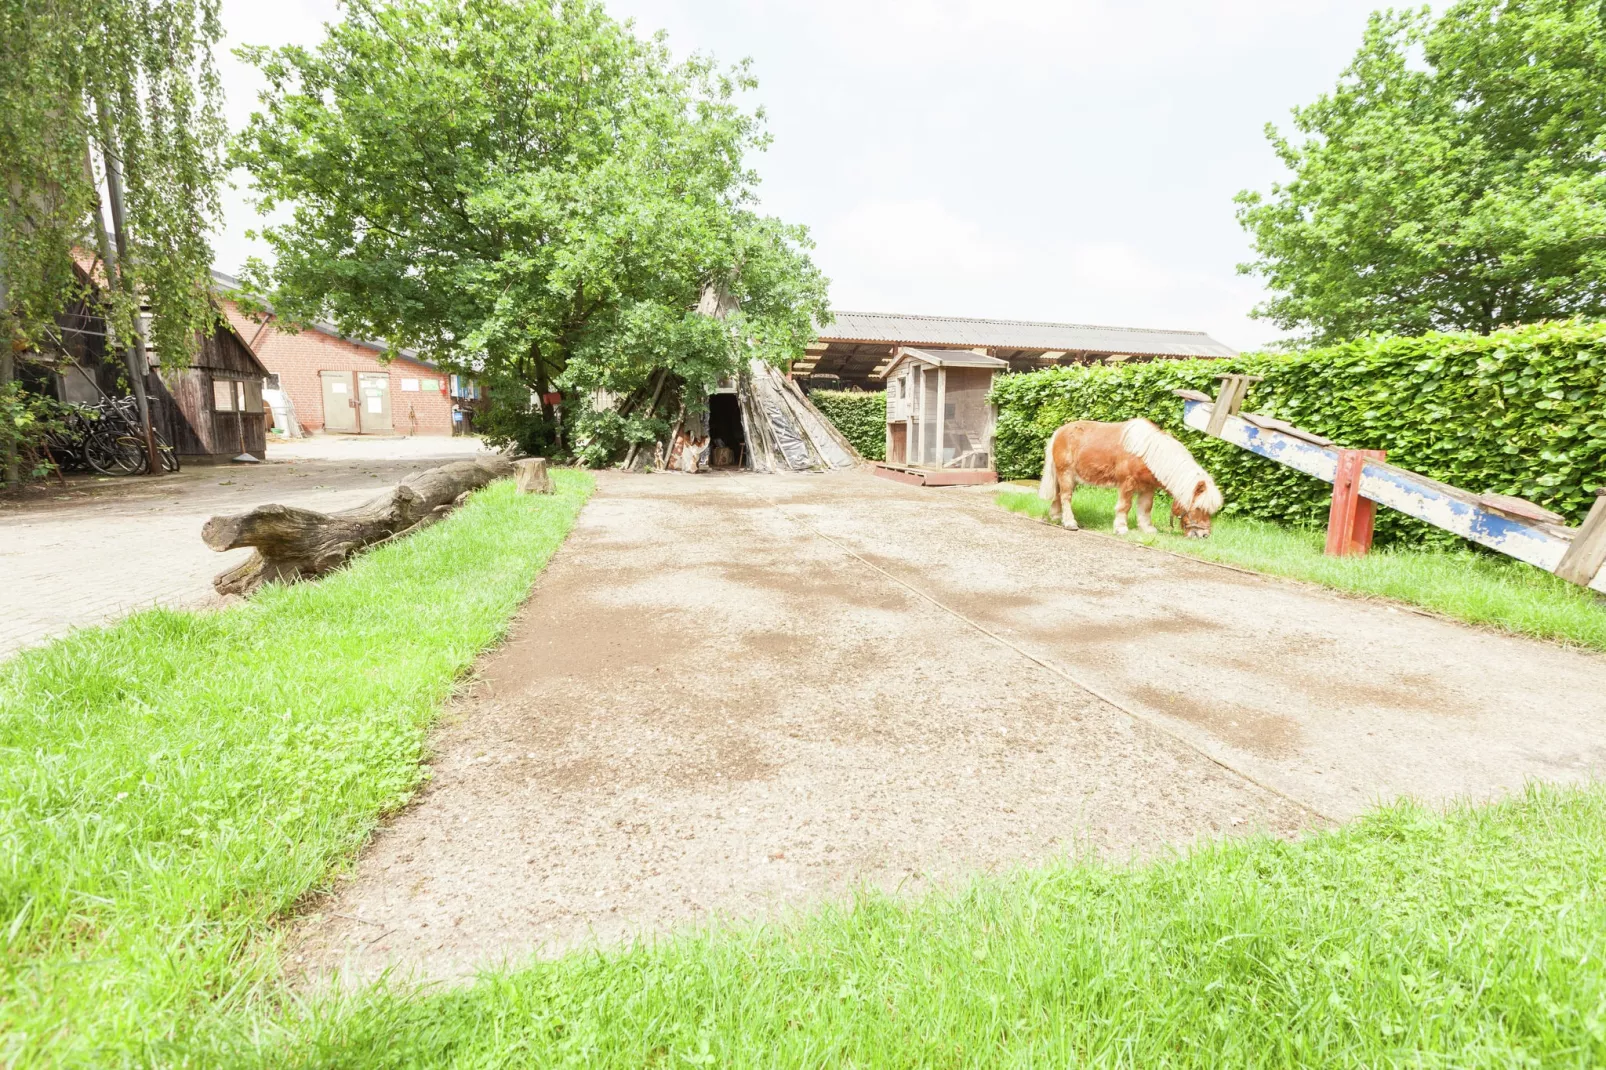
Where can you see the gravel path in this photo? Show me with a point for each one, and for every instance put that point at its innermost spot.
(732, 696)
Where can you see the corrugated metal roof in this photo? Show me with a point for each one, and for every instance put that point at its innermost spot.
(946, 358)
(888, 327)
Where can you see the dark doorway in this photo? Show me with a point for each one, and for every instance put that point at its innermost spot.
(725, 431)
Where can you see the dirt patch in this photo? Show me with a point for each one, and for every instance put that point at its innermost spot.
(702, 712)
(1270, 735)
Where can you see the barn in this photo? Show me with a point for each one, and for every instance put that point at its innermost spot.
(211, 408)
(858, 348)
(336, 384)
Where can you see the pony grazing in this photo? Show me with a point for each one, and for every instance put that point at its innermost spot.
(1137, 458)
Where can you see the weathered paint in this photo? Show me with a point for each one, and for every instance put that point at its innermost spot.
(1451, 508)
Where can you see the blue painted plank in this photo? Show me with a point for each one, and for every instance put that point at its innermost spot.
(1451, 508)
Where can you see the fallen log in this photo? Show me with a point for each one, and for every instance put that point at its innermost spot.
(295, 544)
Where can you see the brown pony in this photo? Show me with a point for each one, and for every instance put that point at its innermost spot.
(1135, 457)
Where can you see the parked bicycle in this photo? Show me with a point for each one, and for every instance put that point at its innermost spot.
(108, 438)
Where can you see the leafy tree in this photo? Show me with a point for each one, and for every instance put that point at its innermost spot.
(121, 91)
(130, 82)
(530, 193)
(1454, 180)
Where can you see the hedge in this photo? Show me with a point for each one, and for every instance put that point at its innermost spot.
(861, 416)
(1521, 411)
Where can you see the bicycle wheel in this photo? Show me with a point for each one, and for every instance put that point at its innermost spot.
(113, 454)
(99, 452)
(170, 461)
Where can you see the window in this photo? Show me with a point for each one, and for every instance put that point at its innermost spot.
(409, 384)
(222, 395)
(251, 396)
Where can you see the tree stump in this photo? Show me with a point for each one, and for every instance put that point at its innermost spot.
(533, 478)
(295, 544)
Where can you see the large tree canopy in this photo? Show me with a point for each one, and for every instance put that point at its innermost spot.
(1454, 180)
(529, 191)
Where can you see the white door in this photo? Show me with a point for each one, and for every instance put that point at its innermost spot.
(374, 392)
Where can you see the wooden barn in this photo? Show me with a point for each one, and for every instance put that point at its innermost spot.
(211, 410)
(857, 349)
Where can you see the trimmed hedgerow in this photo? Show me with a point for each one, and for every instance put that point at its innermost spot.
(859, 415)
(1516, 412)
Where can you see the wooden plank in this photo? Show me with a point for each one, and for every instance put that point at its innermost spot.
(1455, 510)
(1234, 388)
(1514, 506)
(1271, 423)
(899, 475)
(934, 477)
(1582, 562)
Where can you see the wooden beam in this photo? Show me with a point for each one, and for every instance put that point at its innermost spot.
(1582, 562)
(1460, 512)
(1234, 388)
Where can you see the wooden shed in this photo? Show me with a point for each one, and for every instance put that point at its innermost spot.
(856, 349)
(939, 422)
(212, 410)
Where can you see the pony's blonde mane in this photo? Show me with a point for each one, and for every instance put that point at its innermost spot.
(1172, 465)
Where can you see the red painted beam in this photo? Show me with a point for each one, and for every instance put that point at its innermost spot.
(1350, 519)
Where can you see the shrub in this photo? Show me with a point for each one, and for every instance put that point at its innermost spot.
(861, 416)
(1514, 412)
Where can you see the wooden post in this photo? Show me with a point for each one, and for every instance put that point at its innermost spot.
(533, 478)
(1234, 388)
(1349, 521)
(1583, 560)
(942, 408)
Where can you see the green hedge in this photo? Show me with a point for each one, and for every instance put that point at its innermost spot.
(861, 416)
(1519, 412)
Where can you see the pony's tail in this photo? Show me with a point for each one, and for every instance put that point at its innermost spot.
(1048, 488)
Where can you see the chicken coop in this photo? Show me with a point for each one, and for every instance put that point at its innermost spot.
(939, 422)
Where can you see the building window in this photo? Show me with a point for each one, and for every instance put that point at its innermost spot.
(222, 395)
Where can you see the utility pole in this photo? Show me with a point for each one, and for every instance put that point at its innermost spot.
(135, 354)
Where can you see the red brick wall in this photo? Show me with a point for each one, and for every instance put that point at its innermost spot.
(297, 359)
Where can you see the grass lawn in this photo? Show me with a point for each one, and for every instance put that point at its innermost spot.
(172, 783)
(1474, 587)
(1405, 939)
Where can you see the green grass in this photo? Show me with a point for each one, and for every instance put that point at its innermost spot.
(1406, 939)
(1474, 587)
(173, 783)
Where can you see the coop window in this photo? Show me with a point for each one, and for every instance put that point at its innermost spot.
(223, 395)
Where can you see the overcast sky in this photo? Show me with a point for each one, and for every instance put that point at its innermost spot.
(1065, 160)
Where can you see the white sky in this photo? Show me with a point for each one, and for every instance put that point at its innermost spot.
(1065, 160)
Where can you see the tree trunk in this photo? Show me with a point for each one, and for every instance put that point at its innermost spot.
(295, 544)
(138, 363)
(10, 469)
(533, 478)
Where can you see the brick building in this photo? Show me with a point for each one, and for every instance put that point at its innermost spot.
(347, 386)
